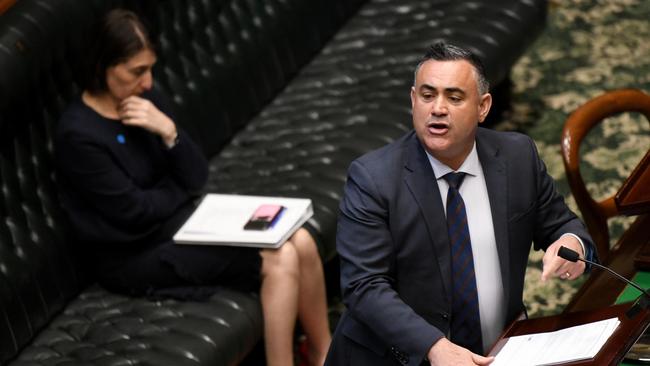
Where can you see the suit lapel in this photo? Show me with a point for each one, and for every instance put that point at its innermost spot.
(495, 172)
(421, 182)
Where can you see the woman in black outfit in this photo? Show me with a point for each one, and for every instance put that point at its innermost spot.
(128, 176)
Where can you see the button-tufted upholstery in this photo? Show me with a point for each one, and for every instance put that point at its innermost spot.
(107, 329)
(280, 94)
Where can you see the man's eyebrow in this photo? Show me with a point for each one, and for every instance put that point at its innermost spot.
(450, 90)
(454, 91)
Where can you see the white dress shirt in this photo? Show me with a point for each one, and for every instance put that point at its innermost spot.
(489, 283)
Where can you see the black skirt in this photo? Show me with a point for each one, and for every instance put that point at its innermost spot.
(190, 272)
(161, 268)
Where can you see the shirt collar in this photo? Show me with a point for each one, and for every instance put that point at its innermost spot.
(470, 166)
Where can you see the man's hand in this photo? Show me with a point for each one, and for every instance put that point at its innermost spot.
(140, 112)
(443, 353)
(555, 266)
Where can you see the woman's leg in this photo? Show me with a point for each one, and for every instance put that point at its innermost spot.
(312, 300)
(279, 296)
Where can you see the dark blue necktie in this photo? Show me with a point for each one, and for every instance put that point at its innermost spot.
(465, 317)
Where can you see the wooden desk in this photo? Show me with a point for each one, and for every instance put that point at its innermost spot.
(630, 294)
(629, 258)
(634, 196)
(632, 252)
(612, 352)
(594, 301)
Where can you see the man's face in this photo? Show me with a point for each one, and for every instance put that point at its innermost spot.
(132, 77)
(447, 109)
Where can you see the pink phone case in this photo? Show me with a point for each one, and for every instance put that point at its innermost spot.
(266, 212)
(263, 217)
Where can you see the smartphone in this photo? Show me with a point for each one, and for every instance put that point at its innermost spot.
(264, 217)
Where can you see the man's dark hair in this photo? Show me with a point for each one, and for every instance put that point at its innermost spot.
(441, 51)
(118, 36)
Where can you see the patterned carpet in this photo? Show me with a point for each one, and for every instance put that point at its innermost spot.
(587, 48)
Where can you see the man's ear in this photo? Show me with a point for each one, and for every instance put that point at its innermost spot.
(413, 96)
(484, 107)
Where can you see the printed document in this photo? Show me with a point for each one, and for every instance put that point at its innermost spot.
(581, 342)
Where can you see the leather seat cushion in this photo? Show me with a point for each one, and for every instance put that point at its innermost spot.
(103, 328)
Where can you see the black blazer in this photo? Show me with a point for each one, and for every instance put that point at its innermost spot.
(119, 184)
(395, 251)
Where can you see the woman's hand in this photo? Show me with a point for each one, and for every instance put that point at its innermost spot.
(140, 112)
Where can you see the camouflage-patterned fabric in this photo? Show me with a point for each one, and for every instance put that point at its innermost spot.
(587, 48)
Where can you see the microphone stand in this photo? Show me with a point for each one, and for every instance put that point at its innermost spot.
(641, 303)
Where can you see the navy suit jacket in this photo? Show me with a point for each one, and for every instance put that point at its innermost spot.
(395, 252)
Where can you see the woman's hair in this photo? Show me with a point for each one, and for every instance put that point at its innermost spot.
(118, 36)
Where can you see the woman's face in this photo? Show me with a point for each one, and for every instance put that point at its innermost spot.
(132, 77)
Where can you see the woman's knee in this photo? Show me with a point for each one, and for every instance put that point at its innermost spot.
(306, 247)
(302, 237)
(283, 260)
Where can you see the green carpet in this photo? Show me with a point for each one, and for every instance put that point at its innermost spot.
(587, 48)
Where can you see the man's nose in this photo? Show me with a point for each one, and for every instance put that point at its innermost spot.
(439, 106)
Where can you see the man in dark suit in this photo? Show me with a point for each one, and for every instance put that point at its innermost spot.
(425, 285)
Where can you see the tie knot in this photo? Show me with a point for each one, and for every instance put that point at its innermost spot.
(454, 179)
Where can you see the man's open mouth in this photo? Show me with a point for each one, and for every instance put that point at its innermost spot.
(437, 127)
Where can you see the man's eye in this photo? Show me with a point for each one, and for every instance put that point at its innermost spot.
(455, 99)
(427, 96)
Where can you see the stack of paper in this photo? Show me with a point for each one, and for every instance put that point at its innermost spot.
(552, 348)
(220, 218)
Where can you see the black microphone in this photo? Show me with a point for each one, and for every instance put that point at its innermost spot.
(643, 301)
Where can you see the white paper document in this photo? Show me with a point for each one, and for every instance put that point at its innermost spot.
(581, 342)
(220, 218)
